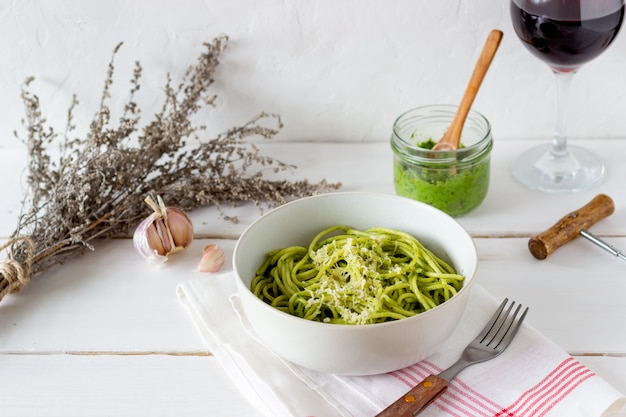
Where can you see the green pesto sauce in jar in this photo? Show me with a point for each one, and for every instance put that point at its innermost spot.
(455, 181)
(455, 188)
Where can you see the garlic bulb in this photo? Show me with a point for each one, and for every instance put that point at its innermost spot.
(168, 230)
(212, 259)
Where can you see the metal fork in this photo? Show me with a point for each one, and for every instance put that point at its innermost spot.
(494, 338)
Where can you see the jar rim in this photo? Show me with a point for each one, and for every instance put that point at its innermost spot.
(446, 112)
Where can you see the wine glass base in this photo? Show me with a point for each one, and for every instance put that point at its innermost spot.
(539, 169)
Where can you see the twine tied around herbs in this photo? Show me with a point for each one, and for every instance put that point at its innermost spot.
(14, 275)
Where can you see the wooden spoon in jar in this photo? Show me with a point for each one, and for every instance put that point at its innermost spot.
(452, 138)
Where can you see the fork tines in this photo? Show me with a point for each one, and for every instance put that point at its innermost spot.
(502, 327)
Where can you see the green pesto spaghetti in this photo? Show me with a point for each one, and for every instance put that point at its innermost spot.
(350, 276)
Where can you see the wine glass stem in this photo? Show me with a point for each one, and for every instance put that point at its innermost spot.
(563, 87)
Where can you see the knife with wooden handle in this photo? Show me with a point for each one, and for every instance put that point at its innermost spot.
(570, 226)
(417, 399)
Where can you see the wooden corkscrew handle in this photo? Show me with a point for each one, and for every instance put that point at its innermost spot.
(569, 227)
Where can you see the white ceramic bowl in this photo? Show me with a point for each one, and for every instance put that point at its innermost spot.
(348, 349)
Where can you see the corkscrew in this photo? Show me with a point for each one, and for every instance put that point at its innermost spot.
(573, 225)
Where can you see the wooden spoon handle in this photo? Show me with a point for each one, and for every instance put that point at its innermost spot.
(569, 227)
(484, 61)
(416, 399)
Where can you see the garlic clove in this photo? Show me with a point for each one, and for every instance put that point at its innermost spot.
(180, 227)
(148, 243)
(212, 259)
(140, 236)
(153, 238)
(166, 231)
(164, 236)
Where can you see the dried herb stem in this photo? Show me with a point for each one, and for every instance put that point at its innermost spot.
(94, 189)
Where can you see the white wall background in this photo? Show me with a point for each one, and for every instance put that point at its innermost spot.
(335, 70)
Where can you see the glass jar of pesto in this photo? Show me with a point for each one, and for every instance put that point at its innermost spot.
(456, 181)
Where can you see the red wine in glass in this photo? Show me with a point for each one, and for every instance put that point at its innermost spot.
(565, 34)
(565, 37)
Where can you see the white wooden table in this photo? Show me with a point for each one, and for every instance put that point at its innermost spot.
(105, 335)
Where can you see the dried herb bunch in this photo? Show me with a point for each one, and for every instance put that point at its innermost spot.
(96, 186)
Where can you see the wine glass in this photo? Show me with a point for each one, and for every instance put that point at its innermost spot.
(565, 34)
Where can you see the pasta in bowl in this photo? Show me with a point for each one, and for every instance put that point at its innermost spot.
(356, 277)
(354, 283)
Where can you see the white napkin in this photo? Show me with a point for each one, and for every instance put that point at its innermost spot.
(533, 377)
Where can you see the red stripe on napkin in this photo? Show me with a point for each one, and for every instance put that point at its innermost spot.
(462, 400)
(459, 400)
(537, 401)
(414, 374)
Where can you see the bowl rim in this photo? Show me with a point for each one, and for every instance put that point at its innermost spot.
(467, 284)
